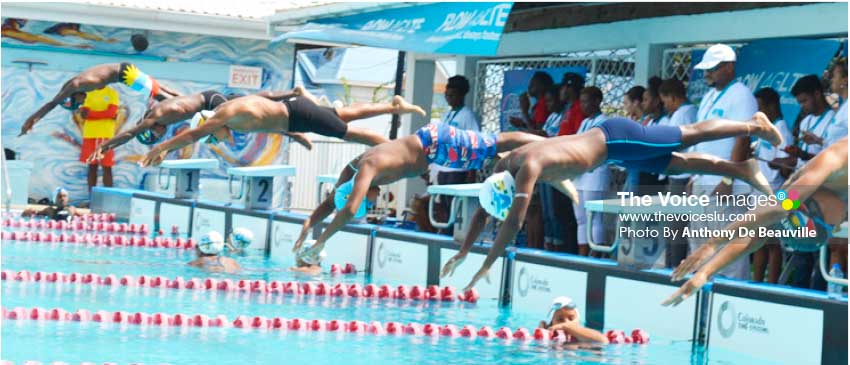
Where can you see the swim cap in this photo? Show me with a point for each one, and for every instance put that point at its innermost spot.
(241, 237)
(211, 243)
(312, 260)
(343, 192)
(198, 119)
(561, 302)
(56, 192)
(497, 194)
(70, 104)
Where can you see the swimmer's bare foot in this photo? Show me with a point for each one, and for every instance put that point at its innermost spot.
(301, 139)
(402, 106)
(298, 90)
(766, 130)
(754, 177)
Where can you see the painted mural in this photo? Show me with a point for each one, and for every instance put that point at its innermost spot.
(54, 144)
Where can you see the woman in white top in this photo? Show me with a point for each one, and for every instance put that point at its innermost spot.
(593, 184)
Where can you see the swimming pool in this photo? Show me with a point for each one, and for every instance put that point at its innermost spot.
(73, 342)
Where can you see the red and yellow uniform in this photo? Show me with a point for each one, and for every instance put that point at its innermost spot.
(100, 110)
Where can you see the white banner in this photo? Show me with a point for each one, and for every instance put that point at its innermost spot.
(399, 262)
(204, 221)
(776, 332)
(534, 287)
(467, 270)
(624, 298)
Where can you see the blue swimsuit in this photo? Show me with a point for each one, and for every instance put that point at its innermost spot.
(634, 146)
(448, 146)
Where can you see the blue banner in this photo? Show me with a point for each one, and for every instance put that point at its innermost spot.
(775, 63)
(469, 28)
(516, 83)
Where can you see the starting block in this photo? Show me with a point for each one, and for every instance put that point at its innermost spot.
(463, 205)
(188, 174)
(322, 180)
(257, 184)
(642, 253)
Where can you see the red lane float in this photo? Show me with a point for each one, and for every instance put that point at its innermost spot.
(277, 323)
(99, 240)
(256, 286)
(76, 225)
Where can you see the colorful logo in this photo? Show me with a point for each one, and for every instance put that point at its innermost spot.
(789, 200)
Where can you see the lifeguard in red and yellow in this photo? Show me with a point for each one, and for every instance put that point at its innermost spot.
(99, 112)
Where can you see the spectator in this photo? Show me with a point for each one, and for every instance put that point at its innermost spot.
(817, 116)
(732, 100)
(643, 183)
(632, 102)
(770, 255)
(534, 117)
(680, 112)
(572, 83)
(837, 130)
(593, 184)
(462, 117)
(552, 229)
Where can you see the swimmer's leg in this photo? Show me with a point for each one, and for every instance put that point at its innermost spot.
(107, 176)
(507, 141)
(701, 163)
(362, 111)
(364, 136)
(92, 176)
(709, 130)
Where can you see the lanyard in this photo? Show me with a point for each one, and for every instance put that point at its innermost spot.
(452, 116)
(817, 123)
(708, 112)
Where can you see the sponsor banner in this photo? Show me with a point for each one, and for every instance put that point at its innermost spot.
(205, 220)
(143, 211)
(346, 247)
(463, 274)
(776, 332)
(256, 225)
(174, 215)
(283, 238)
(400, 262)
(534, 287)
(625, 298)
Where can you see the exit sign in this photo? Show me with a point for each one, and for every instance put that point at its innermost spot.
(245, 77)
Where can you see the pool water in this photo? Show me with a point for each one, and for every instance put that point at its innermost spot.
(72, 342)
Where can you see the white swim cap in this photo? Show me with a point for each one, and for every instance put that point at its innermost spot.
(312, 260)
(497, 195)
(211, 243)
(561, 302)
(241, 237)
(198, 119)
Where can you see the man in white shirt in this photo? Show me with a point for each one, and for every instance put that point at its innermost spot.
(818, 116)
(591, 185)
(680, 112)
(729, 99)
(459, 116)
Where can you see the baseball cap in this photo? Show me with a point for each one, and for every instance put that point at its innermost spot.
(714, 55)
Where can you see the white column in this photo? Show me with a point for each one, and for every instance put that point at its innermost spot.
(648, 61)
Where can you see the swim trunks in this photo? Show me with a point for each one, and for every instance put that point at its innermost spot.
(306, 116)
(448, 146)
(213, 98)
(137, 80)
(643, 148)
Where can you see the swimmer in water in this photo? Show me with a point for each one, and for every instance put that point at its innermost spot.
(59, 210)
(153, 125)
(255, 113)
(821, 185)
(73, 93)
(239, 240)
(209, 255)
(439, 143)
(313, 267)
(565, 317)
(618, 141)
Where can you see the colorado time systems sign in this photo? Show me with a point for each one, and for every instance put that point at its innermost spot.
(400, 261)
(755, 327)
(534, 286)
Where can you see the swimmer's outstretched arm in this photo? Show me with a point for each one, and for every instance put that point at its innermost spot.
(362, 182)
(67, 89)
(807, 181)
(525, 179)
(158, 152)
(475, 227)
(319, 214)
(582, 333)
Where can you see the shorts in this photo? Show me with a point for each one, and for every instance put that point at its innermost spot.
(90, 145)
(213, 98)
(643, 148)
(448, 146)
(306, 116)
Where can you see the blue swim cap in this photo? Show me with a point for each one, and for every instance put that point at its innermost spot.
(70, 104)
(147, 137)
(343, 192)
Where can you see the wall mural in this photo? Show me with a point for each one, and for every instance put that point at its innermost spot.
(53, 146)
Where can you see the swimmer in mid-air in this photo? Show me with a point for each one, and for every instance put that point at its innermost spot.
(153, 125)
(616, 141)
(209, 258)
(821, 185)
(437, 143)
(256, 113)
(73, 93)
(59, 210)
